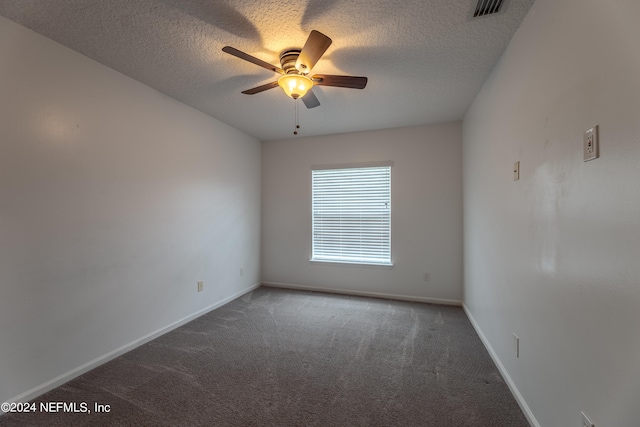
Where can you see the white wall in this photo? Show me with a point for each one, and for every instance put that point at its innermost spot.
(555, 257)
(114, 201)
(426, 211)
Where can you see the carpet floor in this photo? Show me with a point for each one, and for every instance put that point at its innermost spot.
(276, 357)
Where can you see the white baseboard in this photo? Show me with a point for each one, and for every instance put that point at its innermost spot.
(365, 294)
(505, 375)
(68, 376)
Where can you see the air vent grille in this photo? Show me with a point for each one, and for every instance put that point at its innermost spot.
(488, 7)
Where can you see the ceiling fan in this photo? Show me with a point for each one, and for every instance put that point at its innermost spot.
(296, 65)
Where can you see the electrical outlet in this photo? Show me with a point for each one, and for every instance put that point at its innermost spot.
(516, 171)
(590, 144)
(200, 286)
(586, 422)
(516, 344)
(427, 277)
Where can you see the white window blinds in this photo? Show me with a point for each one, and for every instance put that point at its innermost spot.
(352, 215)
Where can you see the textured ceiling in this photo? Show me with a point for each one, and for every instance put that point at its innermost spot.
(425, 59)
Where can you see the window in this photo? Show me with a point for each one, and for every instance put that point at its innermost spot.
(352, 214)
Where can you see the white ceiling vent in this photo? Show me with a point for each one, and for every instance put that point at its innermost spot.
(489, 7)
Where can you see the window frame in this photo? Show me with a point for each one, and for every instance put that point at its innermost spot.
(314, 259)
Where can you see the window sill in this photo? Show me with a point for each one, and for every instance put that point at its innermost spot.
(350, 264)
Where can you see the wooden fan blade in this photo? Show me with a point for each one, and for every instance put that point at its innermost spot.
(351, 82)
(310, 100)
(239, 54)
(259, 89)
(315, 46)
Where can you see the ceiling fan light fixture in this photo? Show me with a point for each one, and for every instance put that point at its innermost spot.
(296, 64)
(295, 85)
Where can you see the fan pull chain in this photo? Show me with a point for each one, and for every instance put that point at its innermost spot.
(295, 132)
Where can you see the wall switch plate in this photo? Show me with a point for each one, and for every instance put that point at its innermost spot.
(200, 286)
(516, 171)
(590, 144)
(586, 422)
(241, 271)
(516, 345)
(427, 277)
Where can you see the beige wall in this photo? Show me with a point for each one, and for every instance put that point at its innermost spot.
(114, 201)
(555, 256)
(426, 211)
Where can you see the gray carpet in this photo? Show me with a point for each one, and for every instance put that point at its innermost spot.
(292, 358)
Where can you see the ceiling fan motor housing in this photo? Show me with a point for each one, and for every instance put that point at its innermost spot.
(288, 60)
